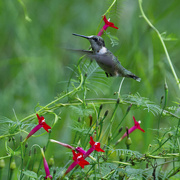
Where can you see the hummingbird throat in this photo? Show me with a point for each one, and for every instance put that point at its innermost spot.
(103, 50)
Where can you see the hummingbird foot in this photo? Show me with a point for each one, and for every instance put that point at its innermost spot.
(107, 75)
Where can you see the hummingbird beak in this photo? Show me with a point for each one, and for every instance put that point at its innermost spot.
(87, 37)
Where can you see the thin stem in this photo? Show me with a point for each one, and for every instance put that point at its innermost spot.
(120, 86)
(9, 170)
(161, 145)
(177, 130)
(165, 103)
(162, 42)
(118, 126)
(174, 172)
(56, 100)
(22, 160)
(111, 121)
(101, 126)
(110, 7)
(25, 11)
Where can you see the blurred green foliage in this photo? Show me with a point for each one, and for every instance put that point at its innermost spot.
(35, 67)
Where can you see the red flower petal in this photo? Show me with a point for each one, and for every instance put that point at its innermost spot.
(137, 125)
(40, 119)
(74, 155)
(82, 162)
(109, 23)
(46, 127)
(42, 122)
(91, 141)
(97, 147)
(79, 159)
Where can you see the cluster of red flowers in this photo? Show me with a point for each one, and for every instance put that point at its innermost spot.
(79, 158)
(81, 155)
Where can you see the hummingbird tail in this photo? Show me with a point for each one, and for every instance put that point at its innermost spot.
(134, 77)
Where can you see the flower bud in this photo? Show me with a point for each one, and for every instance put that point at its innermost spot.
(100, 107)
(44, 148)
(106, 113)
(2, 163)
(51, 162)
(13, 165)
(162, 97)
(120, 129)
(118, 101)
(110, 137)
(121, 174)
(127, 131)
(79, 119)
(165, 86)
(122, 156)
(170, 134)
(90, 120)
(128, 141)
(129, 107)
(54, 171)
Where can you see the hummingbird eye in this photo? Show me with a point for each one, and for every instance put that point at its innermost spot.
(95, 39)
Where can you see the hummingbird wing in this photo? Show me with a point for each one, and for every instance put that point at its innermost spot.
(81, 51)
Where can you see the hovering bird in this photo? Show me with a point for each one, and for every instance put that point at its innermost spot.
(105, 58)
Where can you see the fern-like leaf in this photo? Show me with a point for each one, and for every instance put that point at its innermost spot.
(143, 102)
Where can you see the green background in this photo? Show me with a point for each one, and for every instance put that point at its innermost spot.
(34, 65)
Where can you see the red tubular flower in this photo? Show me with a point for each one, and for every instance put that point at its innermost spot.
(78, 149)
(95, 146)
(62, 144)
(136, 126)
(41, 124)
(107, 24)
(78, 159)
(81, 150)
(46, 167)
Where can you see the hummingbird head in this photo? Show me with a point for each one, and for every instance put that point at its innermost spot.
(97, 42)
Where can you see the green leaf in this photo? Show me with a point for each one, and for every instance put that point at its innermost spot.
(30, 174)
(4, 119)
(114, 40)
(76, 126)
(79, 111)
(143, 102)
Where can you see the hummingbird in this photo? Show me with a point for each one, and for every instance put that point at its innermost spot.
(105, 58)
